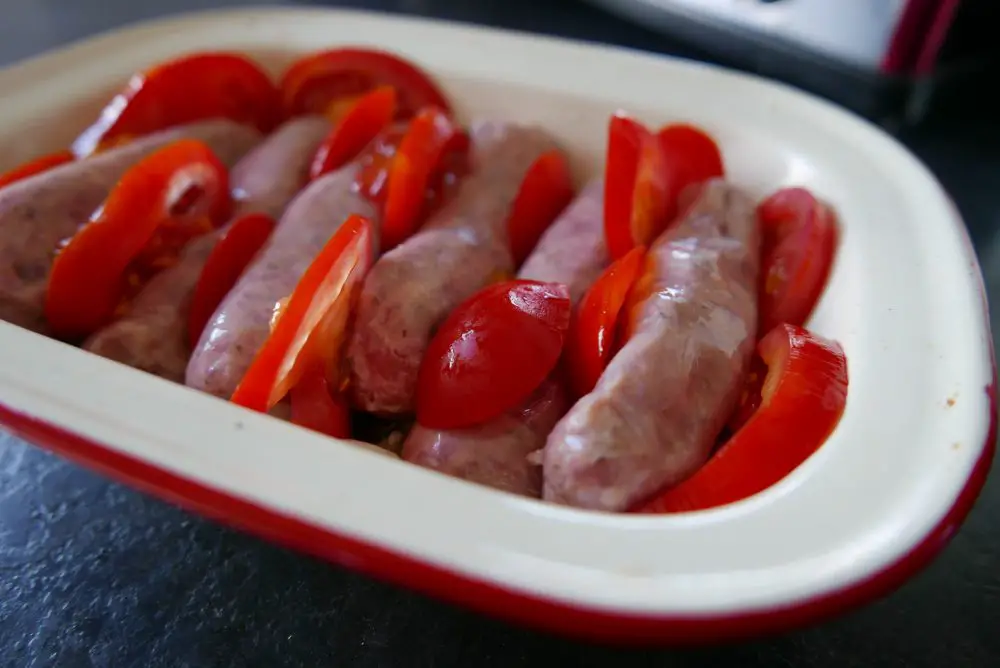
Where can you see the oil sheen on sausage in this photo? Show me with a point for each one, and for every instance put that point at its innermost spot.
(413, 287)
(153, 335)
(655, 413)
(241, 323)
(496, 454)
(38, 213)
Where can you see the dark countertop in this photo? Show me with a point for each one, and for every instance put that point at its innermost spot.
(95, 574)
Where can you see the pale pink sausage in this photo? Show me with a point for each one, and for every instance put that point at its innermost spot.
(153, 335)
(571, 252)
(656, 411)
(241, 324)
(38, 213)
(463, 248)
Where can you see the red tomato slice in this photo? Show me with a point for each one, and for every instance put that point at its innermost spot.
(750, 397)
(799, 239)
(317, 406)
(165, 200)
(803, 398)
(319, 82)
(593, 330)
(692, 157)
(191, 88)
(224, 265)
(359, 125)
(36, 166)
(546, 190)
(310, 329)
(417, 161)
(636, 187)
(491, 353)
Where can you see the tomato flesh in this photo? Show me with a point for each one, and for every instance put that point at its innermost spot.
(692, 157)
(191, 88)
(314, 84)
(803, 398)
(173, 195)
(546, 190)
(230, 256)
(592, 339)
(310, 327)
(799, 239)
(358, 125)
(317, 406)
(491, 353)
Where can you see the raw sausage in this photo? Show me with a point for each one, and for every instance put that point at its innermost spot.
(657, 409)
(463, 248)
(572, 252)
(40, 212)
(153, 336)
(241, 323)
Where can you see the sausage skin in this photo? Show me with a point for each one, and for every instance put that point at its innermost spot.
(40, 212)
(655, 413)
(461, 249)
(242, 322)
(572, 251)
(153, 335)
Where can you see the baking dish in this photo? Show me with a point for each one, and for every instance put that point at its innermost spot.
(877, 501)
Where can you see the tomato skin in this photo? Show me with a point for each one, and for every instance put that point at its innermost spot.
(316, 82)
(358, 126)
(140, 229)
(692, 157)
(546, 190)
(592, 339)
(491, 353)
(191, 88)
(636, 187)
(231, 255)
(804, 396)
(309, 328)
(36, 166)
(317, 406)
(799, 240)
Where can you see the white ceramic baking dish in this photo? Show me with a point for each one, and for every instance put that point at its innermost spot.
(875, 503)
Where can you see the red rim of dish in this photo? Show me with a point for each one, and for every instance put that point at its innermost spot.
(492, 599)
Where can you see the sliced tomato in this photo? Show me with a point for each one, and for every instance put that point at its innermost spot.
(165, 200)
(750, 396)
(799, 239)
(376, 160)
(636, 187)
(593, 330)
(224, 265)
(415, 170)
(692, 157)
(309, 329)
(803, 398)
(322, 83)
(491, 353)
(546, 190)
(354, 130)
(318, 406)
(36, 166)
(190, 88)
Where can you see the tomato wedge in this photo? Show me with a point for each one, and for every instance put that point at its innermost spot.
(323, 82)
(358, 126)
(191, 88)
(491, 353)
(799, 239)
(413, 171)
(546, 190)
(173, 195)
(803, 398)
(593, 329)
(224, 265)
(310, 329)
(692, 157)
(36, 166)
(637, 188)
(317, 406)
